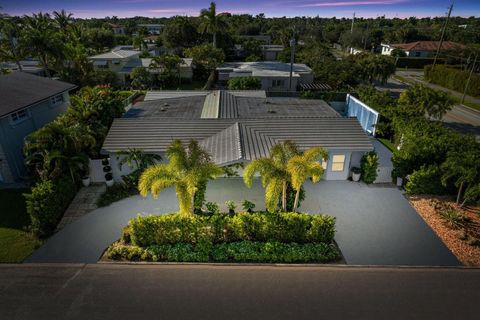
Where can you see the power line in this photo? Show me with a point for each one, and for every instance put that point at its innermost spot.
(443, 34)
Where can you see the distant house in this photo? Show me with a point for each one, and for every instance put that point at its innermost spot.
(153, 29)
(420, 48)
(185, 69)
(28, 102)
(31, 66)
(270, 51)
(236, 127)
(117, 29)
(275, 76)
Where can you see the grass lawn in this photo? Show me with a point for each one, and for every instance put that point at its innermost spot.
(15, 243)
(387, 143)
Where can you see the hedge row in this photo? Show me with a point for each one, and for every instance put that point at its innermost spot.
(415, 63)
(219, 228)
(454, 79)
(46, 204)
(245, 251)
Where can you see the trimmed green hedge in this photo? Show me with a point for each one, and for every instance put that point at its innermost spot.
(46, 204)
(244, 251)
(454, 79)
(416, 62)
(219, 228)
(426, 180)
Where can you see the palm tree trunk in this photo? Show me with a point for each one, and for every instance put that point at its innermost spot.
(284, 196)
(297, 198)
(460, 190)
(214, 39)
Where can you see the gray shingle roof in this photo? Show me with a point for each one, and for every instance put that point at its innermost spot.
(19, 90)
(221, 137)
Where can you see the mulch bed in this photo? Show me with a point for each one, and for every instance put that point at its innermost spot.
(429, 208)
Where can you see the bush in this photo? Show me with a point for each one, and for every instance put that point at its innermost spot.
(46, 204)
(244, 251)
(426, 180)
(244, 83)
(258, 226)
(416, 63)
(368, 165)
(452, 78)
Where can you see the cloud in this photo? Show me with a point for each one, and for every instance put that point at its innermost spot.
(351, 3)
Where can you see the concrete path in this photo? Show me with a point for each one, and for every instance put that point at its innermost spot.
(376, 226)
(236, 292)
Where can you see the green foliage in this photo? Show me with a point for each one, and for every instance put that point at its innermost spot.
(453, 218)
(454, 79)
(141, 78)
(419, 100)
(205, 56)
(212, 207)
(230, 205)
(291, 193)
(179, 33)
(115, 193)
(368, 165)
(426, 180)
(417, 62)
(244, 83)
(46, 204)
(248, 206)
(244, 251)
(258, 226)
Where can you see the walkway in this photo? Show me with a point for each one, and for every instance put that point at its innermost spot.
(376, 226)
(236, 292)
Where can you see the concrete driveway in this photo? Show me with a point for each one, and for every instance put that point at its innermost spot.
(375, 225)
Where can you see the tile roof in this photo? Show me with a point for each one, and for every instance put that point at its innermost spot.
(20, 89)
(117, 54)
(428, 46)
(231, 140)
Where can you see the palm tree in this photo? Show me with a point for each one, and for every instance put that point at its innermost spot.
(211, 22)
(138, 157)
(62, 21)
(304, 166)
(9, 48)
(187, 169)
(274, 173)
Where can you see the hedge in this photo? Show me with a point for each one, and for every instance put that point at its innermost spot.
(426, 180)
(454, 79)
(244, 251)
(416, 62)
(219, 228)
(46, 204)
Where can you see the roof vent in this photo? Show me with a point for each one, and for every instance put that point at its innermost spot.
(166, 104)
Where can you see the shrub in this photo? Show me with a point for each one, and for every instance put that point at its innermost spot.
(244, 251)
(115, 193)
(212, 207)
(258, 226)
(368, 165)
(452, 78)
(244, 83)
(46, 204)
(453, 218)
(426, 180)
(248, 206)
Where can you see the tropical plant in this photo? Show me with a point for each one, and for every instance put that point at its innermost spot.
(368, 165)
(168, 68)
(420, 100)
(9, 47)
(304, 166)
(141, 78)
(211, 23)
(274, 173)
(248, 206)
(134, 156)
(187, 168)
(244, 83)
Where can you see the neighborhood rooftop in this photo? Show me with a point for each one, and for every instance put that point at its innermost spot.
(264, 68)
(226, 104)
(232, 140)
(427, 45)
(19, 90)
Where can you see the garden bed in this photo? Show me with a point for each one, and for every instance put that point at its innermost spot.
(458, 231)
(258, 237)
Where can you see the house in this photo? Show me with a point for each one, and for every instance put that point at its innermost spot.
(270, 51)
(31, 66)
(275, 76)
(152, 29)
(236, 127)
(117, 29)
(28, 103)
(420, 48)
(185, 69)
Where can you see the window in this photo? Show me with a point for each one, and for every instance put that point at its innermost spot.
(19, 116)
(338, 162)
(278, 83)
(56, 100)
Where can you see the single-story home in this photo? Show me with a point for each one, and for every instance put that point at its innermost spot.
(152, 28)
(117, 29)
(236, 127)
(271, 51)
(274, 75)
(420, 48)
(28, 102)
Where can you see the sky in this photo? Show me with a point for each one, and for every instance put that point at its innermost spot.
(271, 8)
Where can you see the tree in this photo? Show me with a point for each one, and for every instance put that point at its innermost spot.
(419, 100)
(180, 33)
(141, 78)
(211, 23)
(187, 169)
(168, 68)
(304, 166)
(206, 59)
(138, 157)
(244, 83)
(9, 46)
(274, 173)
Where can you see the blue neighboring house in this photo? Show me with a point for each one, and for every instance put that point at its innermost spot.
(27, 103)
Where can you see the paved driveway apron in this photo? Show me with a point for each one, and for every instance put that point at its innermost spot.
(375, 225)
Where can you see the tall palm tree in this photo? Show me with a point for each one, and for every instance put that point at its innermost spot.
(187, 169)
(211, 23)
(304, 166)
(62, 21)
(274, 173)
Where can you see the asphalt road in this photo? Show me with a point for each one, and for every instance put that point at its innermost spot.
(236, 292)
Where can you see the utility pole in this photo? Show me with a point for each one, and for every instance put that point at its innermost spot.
(443, 34)
(353, 21)
(292, 59)
(469, 77)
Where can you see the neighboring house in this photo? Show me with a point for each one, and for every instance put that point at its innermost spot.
(117, 29)
(422, 49)
(153, 29)
(185, 69)
(270, 52)
(355, 51)
(29, 66)
(275, 76)
(28, 102)
(236, 127)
